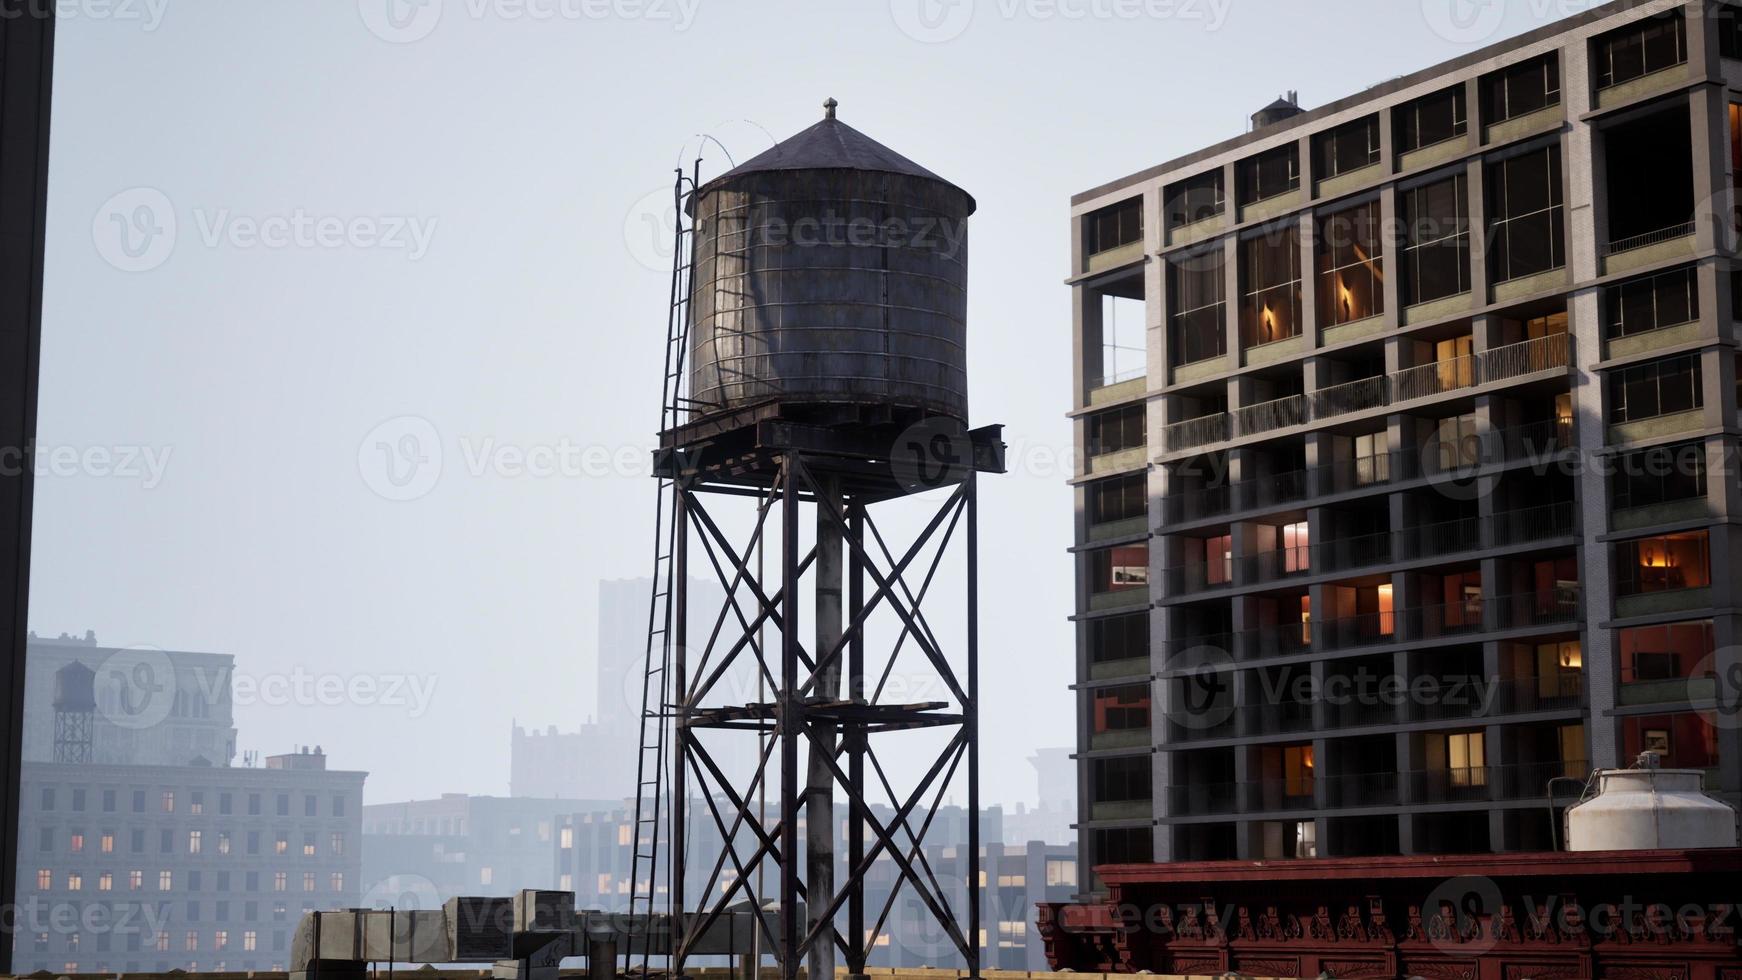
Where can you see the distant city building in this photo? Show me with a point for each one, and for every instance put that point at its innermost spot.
(200, 868)
(597, 760)
(420, 853)
(1053, 819)
(594, 859)
(152, 707)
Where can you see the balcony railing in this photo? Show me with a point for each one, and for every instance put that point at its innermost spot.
(1371, 550)
(1269, 416)
(1530, 442)
(1423, 381)
(1549, 608)
(1649, 239)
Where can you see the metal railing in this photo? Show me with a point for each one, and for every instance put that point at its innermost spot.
(1649, 239)
(1200, 431)
(1380, 548)
(1270, 416)
(1422, 381)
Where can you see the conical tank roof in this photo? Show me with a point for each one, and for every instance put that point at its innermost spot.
(832, 145)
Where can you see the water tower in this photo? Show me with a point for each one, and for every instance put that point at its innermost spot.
(816, 371)
(75, 712)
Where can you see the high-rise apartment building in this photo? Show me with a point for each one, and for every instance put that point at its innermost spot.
(1406, 428)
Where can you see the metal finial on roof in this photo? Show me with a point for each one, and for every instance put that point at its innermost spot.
(829, 108)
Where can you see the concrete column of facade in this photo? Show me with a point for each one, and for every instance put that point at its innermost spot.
(1490, 418)
(1723, 485)
(1391, 236)
(1157, 355)
(1310, 327)
(1231, 294)
(1476, 178)
(1727, 718)
(1473, 112)
(1595, 573)
(1718, 384)
(1709, 124)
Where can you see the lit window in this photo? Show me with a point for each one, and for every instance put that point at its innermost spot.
(105, 882)
(44, 879)
(165, 881)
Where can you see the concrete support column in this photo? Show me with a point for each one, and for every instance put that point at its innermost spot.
(1390, 224)
(1309, 282)
(820, 781)
(1231, 293)
(1709, 111)
(1477, 180)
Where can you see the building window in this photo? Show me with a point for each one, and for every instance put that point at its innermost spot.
(1522, 89)
(1527, 226)
(1465, 756)
(1061, 873)
(169, 802)
(1118, 430)
(337, 843)
(1436, 251)
(1133, 845)
(1350, 147)
(196, 803)
(1674, 652)
(337, 881)
(165, 881)
(308, 881)
(76, 842)
(250, 941)
(1431, 120)
(44, 880)
(1351, 266)
(1653, 302)
(1197, 199)
(1372, 459)
(1665, 387)
(1121, 709)
(1688, 740)
(1666, 563)
(1114, 227)
(308, 844)
(135, 880)
(193, 842)
(1270, 280)
(1124, 498)
(106, 843)
(1196, 291)
(1119, 569)
(1270, 174)
(1296, 546)
(1123, 780)
(1640, 49)
(1119, 638)
(1659, 475)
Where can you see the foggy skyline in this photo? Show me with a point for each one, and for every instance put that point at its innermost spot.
(354, 313)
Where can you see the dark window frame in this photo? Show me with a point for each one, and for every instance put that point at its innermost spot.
(1632, 577)
(1197, 199)
(1664, 299)
(1521, 89)
(1427, 234)
(1519, 218)
(1347, 148)
(1643, 48)
(1270, 278)
(1199, 332)
(1120, 498)
(1350, 247)
(1129, 430)
(1641, 391)
(1658, 475)
(1113, 639)
(1270, 174)
(1114, 226)
(1122, 779)
(1419, 122)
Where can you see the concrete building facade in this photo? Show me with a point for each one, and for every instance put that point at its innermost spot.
(1406, 430)
(201, 868)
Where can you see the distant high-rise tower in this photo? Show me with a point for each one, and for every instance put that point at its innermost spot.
(75, 712)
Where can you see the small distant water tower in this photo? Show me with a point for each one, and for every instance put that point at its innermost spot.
(75, 712)
(816, 370)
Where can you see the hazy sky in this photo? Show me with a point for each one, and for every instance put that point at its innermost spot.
(286, 232)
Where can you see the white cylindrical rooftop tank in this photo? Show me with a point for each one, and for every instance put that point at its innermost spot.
(1649, 809)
